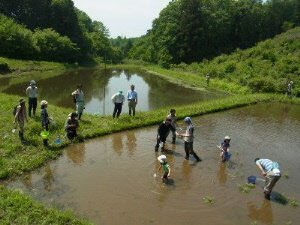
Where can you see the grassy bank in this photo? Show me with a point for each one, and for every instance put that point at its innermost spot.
(16, 158)
(16, 208)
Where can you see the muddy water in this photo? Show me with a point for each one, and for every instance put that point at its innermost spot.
(110, 180)
(100, 85)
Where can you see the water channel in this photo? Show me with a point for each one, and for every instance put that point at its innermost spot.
(99, 86)
(109, 180)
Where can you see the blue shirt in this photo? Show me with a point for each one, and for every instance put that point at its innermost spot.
(131, 95)
(266, 164)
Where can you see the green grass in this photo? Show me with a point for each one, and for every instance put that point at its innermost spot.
(246, 188)
(209, 199)
(17, 208)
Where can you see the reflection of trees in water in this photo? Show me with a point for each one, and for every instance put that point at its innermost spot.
(76, 153)
(222, 175)
(58, 89)
(162, 93)
(263, 214)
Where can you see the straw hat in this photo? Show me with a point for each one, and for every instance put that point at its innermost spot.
(162, 158)
(227, 138)
(44, 102)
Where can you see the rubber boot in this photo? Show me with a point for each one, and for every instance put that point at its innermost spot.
(173, 140)
(45, 142)
(21, 136)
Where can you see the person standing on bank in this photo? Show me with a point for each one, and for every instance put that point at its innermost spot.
(45, 119)
(162, 133)
(20, 117)
(132, 98)
(270, 170)
(32, 93)
(79, 99)
(118, 99)
(189, 139)
(207, 77)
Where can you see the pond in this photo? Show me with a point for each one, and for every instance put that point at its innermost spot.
(109, 180)
(99, 86)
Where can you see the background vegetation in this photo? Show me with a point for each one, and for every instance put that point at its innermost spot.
(192, 30)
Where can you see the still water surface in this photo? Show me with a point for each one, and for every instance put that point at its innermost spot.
(109, 180)
(99, 86)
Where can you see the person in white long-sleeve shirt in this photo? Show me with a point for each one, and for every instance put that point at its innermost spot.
(32, 93)
(118, 99)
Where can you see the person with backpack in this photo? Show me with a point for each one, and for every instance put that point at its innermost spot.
(32, 93)
(270, 170)
(78, 97)
(20, 116)
(45, 121)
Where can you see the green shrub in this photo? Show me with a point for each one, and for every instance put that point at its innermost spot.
(4, 68)
(262, 84)
(53, 47)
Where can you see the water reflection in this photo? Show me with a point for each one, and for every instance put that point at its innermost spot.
(76, 153)
(48, 178)
(27, 180)
(131, 142)
(100, 85)
(263, 213)
(117, 143)
(222, 175)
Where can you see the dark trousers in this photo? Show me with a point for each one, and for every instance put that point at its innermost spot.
(188, 148)
(160, 139)
(117, 109)
(71, 134)
(32, 106)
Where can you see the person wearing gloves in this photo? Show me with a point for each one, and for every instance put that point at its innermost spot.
(189, 139)
(166, 167)
(118, 99)
(32, 93)
(224, 146)
(270, 170)
(79, 100)
(45, 122)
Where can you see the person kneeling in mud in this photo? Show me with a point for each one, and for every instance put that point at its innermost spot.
(224, 146)
(162, 133)
(166, 167)
(71, 125)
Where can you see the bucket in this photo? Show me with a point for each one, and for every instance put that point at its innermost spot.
(45, 134)
(251, 179)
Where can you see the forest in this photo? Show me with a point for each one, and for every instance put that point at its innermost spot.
(188, 31)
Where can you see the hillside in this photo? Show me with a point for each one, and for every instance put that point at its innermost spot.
(263, 68)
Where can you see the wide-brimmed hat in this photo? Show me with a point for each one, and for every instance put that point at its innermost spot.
(44, 102)
(32, 82)
(21, 101)
(227, 138)
(162, 158)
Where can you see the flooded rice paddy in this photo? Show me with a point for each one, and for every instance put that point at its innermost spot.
(99, 86)
(109, 180)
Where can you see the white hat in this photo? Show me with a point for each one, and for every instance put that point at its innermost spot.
(276, 171)
(227, 138)
(162, 158)
(32, 82)
(44, 102)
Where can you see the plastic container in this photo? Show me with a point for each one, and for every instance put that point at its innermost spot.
(57, 140)
(227, 155)
(45, 134)
(251, 179)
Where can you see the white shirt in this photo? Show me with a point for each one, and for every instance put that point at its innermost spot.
(32, 92)
(118, 98)
(78, 95)
(190, 132)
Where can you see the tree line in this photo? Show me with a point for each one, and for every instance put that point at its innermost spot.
(53, 30)
(192, 30)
